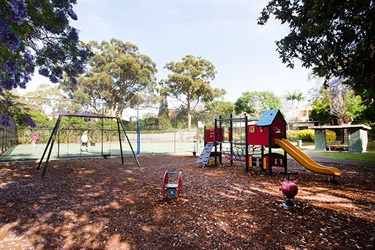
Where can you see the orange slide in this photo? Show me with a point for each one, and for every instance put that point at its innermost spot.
(304, 160)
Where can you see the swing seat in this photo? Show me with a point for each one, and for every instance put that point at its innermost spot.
(106, 156)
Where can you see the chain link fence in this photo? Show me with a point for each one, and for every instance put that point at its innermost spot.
(8, 138)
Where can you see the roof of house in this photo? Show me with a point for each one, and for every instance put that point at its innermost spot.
(268, 117)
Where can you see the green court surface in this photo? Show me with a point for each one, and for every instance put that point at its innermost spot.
(63, 151)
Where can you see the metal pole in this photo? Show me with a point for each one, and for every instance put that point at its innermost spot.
(119, 137)
(175, 130)
(138, 137)
(131, 147)
(215, 141)
(231, 138)
(49, 141)
(102, 147)
(248, 164)
(53, 137)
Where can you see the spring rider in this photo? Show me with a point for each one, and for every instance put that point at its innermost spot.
(289, 190)
(171, 190)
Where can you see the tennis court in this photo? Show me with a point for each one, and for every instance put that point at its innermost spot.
(71, 150)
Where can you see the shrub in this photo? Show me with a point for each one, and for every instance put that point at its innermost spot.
(330, 136)
(307, 135)
(292, 135)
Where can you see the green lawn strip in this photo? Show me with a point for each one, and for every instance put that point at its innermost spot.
(366, 157)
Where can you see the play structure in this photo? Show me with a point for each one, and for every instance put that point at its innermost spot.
(169, 188)
(120, 132)
(267, 133)
(214, 140)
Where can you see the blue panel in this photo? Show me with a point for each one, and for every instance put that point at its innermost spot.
(267, 117)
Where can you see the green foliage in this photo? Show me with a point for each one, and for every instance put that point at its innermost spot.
(118, 74)
(41, 119)
(11, 114)
(295, 95)
(255, 103)
(215, 109)
(330, 136)
(220, 108)
(189, 82)
(336, 101)
(320, 111)
(236, 137)
(292, 135)
(354, 105)
(37, 33)
(334, 38)
(371, 146)
(44, 97)
(164, 122)
(307, 135)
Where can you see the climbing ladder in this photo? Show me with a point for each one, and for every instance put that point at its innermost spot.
(205, 155)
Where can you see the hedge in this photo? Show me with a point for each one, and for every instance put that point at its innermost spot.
(308, 135)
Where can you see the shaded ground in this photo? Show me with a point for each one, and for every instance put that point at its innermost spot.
(101, 204)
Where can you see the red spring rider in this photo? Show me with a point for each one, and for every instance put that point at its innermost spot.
(289, 190)
(171, 190)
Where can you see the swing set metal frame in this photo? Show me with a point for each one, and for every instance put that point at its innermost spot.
(54, 134)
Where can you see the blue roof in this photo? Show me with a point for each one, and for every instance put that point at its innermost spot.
(268, 116)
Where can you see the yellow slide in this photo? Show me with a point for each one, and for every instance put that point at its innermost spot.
(304, 160)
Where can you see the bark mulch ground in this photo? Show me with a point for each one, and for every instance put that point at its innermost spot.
(102, 204)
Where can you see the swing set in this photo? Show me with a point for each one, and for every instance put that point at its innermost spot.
(106, 134)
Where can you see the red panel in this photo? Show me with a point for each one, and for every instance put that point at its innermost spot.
(278, 129)
(257, 135)
(210, 136)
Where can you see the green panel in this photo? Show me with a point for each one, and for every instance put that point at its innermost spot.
(357, 140)
(320, 139)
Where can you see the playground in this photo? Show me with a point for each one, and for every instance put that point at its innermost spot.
(226, 197)
(102, 204)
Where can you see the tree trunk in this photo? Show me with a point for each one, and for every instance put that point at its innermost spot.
(189, 115)
(189, 119)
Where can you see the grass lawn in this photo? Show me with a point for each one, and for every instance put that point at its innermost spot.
(368, 156)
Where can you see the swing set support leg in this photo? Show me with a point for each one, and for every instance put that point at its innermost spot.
(127, 138)
(119, 137)
(49, 145)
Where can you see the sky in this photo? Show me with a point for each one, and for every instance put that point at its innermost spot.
(225, 33)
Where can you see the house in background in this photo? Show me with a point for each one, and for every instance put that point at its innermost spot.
(297, 115)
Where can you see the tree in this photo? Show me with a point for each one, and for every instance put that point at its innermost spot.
(320, 111)
(118, 75)
(336, 38)
(337, 101)
(44, 97)
(37, 33)
(215, 109)
(256, 102)
(14, 111)
(190, 83)
(295, 95)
